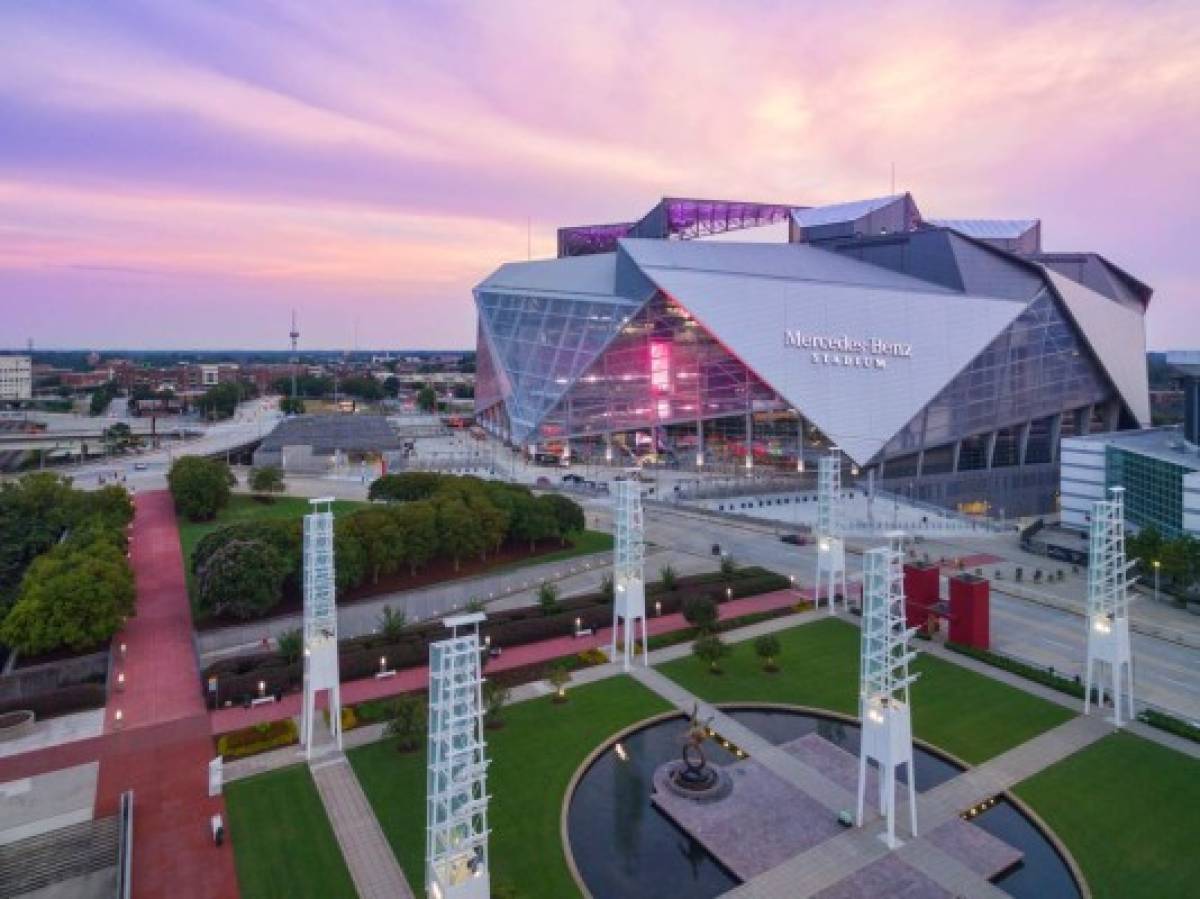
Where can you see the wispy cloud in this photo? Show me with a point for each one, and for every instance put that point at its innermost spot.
(377, 159)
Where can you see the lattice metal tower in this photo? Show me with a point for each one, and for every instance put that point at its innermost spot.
(884, 680)
(831, 549)
(294, 337)
(1108, 605)
(629, 586)
(456, 828)
(320, 624)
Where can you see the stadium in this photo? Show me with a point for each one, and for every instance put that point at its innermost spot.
(947, 357)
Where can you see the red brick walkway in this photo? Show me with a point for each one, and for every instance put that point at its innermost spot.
(226, 720)
(163, 745)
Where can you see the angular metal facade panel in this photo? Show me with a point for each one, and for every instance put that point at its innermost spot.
(661, 369)
(1034, 368)
(1117, 337)
(857, 405)
(543, 344)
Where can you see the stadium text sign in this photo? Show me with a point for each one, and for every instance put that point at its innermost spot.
(848, 352)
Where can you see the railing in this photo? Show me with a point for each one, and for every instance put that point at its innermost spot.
(125, 847)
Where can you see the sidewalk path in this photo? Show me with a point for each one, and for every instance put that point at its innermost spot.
(373, 867)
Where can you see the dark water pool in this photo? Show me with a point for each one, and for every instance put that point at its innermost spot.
(626, 849)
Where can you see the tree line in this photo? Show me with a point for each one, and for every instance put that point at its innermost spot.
(1178, 562)
(65, 580)
(244, 570)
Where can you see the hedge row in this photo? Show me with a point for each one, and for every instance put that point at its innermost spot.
(1045, 677)
(62, 701)
(257, 738)
(1171, 724)
(359, 657)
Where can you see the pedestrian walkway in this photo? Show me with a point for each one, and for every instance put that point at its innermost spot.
(373, 866)
(160, 745)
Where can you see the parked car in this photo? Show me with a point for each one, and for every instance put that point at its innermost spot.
(716, 549)
(572, 479)
(794, 539)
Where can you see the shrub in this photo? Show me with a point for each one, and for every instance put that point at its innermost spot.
(548, 598)
(728, 567)
(258, 738)
(710, 649)
(199, 486)
(559, 677)
(391, 622)
(767, 648)
(701, 613)
(406, 722)
(290, 644)
(668, 578)
(607, 589)
(495, 698)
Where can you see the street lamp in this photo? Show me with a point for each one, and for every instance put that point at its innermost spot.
(1157, 566)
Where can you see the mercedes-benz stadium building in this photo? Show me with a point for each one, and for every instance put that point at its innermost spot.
(947, 357)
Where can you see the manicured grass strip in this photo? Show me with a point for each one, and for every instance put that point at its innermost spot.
(967, 714)
(283, 845)
(582, 543)
(533, 758)
(1126, 808)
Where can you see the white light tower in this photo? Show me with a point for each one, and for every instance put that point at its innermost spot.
(831, 549)
(456, 829)
(629, 585)
(1108, 605)
(884, 681)
(320, 624)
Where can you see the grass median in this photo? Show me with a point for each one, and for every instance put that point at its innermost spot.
(532, 759)
(283, 845)
(967, 714)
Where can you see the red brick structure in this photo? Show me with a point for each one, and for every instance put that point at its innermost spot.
(921, 592)
(970, 619)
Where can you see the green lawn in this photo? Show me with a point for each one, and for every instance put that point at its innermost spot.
(967, 714)
(533, 758)
(283, 845)
(1126, 807)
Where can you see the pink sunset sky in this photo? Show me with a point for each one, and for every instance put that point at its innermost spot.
(182, 174)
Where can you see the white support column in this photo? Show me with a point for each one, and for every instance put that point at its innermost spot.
(320, 624)
(1108, 607)
(456, 822)
(884, 680)
(629, 586)
(831, 548)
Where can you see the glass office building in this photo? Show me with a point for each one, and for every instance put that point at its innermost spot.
(948, 356)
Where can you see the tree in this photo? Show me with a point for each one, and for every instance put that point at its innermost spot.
(766, 648)
(289, 406)
(199, 486)
(559, 677)
(567, 514)
(710, 649)
(406, 722)
(363, 387)
(406, 486)
(457, 531)
(548, 598)
(427, 399)
(533, 521)
(221, 400)
(701, 613)
(351, 567)
(495, 698)
(391, 621)
(266, 480)
(76, 598)
(418, 523)
(243, 579)
(606, 587)
(118, 437)
(102, 398)
(381, 539)
(283, 535)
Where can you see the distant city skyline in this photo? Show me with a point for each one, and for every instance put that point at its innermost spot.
(183, 175)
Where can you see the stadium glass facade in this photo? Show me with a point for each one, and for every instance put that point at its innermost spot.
(645, 341)
(1154, 489)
